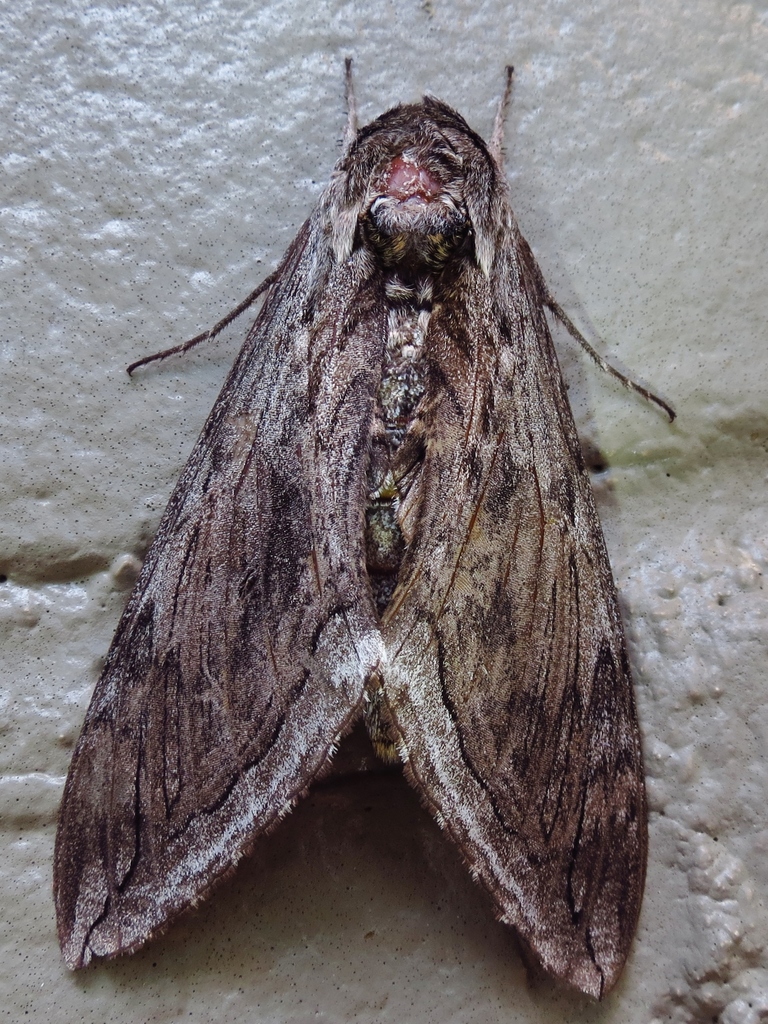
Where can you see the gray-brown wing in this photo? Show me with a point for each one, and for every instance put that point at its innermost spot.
(242, 654)
(507, 674)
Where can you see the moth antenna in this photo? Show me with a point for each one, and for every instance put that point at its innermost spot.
(210, 334)
(573, 330)
(496, 144)
(350, 132)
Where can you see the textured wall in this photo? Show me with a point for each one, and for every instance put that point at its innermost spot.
(157, 160)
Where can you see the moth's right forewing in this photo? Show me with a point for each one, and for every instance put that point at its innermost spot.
(507, 674)
(242, 654)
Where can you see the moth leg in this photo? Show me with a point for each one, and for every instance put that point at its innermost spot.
(350, 132)
(216, 329)
(496, 145)
(384, 736)
(573, 330)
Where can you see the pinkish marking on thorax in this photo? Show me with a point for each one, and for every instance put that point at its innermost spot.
(407, 180)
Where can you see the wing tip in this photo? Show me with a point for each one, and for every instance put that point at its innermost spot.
(573, 966)
(75, 955)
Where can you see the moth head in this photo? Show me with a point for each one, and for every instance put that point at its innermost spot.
(420, 188)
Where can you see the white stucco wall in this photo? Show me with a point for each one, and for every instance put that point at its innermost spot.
(157, 159)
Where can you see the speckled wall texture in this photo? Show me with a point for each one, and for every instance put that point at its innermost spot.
(157, 160)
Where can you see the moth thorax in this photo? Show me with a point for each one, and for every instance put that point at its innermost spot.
(415, 221)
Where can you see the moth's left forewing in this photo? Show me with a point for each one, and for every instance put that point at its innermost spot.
(507, 675)
(243, 652)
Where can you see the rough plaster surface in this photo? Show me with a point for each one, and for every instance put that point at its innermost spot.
(157, 159)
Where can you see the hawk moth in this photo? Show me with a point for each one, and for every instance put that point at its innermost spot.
(387, 514)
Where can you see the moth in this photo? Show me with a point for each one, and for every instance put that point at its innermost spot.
(387, 514)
